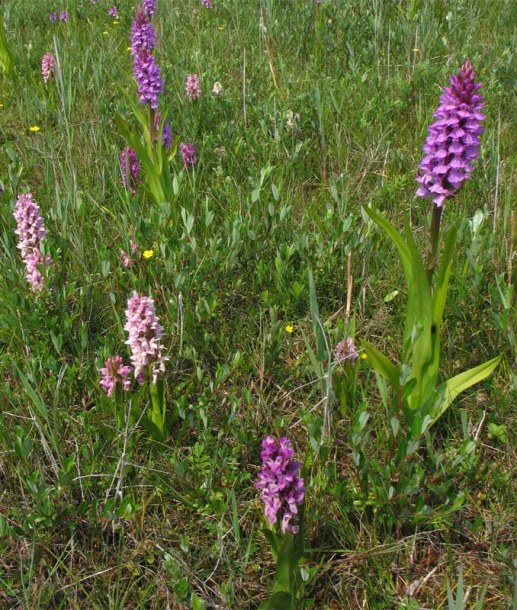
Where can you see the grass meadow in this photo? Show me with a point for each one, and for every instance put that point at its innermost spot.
(262, 259)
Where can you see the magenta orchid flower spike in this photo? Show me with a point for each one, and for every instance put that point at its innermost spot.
(452, 143)
(281, 489)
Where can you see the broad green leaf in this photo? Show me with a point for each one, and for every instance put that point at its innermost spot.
(439, 298)
(5, 53)
(198, 603)
(418, 311)
(281, 600)
(382, 364)
(396, 238)
(442, 279)
(158, 408)
(286, 565)
(454, 386)
(274, 542)
(156, 170)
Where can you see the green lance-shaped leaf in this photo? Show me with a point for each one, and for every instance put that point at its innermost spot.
(158, 413)
(419, 310)
(286, 566)
(438, 302)
(382, 364)
(442, 279)
(149, 169)
(156, 167)
(454, 386)
(278, 601)
(5, 54)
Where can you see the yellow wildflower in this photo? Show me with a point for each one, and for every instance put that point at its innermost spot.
(289, 328)
(34, 128)
(148, 253)
(364, 356)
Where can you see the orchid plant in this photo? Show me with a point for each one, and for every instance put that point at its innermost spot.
(450, 150)
(157, 147)
(282, 490)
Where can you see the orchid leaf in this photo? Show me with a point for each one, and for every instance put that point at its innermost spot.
(382, 364)
(286, 565)
(454, 386)
(417, 330)
(438, 301)
(442, 280)
(419, 313)
(5, 54)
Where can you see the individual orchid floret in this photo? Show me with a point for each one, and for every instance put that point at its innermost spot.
(192, 87)
(47, 66)
(346, 350)
(143, 34)
(130, 168)
(53, 17)
(64, 16)
(281, 489)
(452, 143)
(207, 3)
(144, 333)
(113, 12)
(148, 78)
(188, 153)
(31, 231)
(115, 373)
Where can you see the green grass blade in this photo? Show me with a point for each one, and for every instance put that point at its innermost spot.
(321, 344)
(37, 401)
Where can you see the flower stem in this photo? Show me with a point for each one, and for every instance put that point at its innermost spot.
(434, 240)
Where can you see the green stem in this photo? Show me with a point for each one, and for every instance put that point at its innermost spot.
(434, 240)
